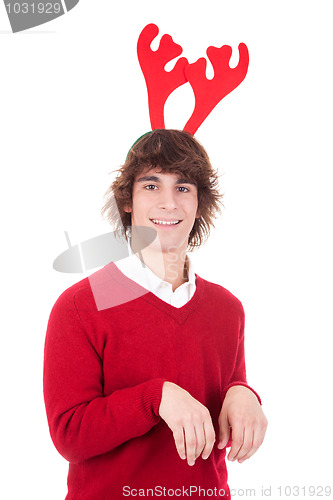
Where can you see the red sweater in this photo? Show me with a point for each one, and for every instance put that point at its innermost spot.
(103, 375)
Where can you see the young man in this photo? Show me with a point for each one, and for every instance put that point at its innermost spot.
(142, 392)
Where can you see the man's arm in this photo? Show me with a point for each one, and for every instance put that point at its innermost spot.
(83, 422)
(241, 410)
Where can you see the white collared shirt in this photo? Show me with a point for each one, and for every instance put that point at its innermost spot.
(136, 270)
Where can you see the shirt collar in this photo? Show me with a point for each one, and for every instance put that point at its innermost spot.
(137, 270)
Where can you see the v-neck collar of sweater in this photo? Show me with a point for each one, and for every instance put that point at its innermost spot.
(179, 314)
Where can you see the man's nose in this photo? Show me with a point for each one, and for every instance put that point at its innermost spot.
(168, 199)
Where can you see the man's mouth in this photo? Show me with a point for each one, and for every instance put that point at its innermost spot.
(167, 222)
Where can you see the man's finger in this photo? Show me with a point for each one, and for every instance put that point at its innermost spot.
(178, 435)
(257, 442)
(190, 444)
(224, 431)
(247, 444)
(237, 442)
(200, 440)
(210, 439)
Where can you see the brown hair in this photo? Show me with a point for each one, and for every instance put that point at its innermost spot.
(173, 151)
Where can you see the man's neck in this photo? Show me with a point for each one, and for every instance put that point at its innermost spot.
(168, 266)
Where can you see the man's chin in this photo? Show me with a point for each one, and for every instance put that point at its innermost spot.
(164, 243)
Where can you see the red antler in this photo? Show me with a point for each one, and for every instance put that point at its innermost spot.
(208, 93)
(160, 83)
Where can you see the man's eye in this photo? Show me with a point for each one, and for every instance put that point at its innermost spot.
(149, 186)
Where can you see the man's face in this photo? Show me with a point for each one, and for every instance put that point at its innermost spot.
(160, 200)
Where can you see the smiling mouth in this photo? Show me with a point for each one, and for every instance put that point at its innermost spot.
(159, 222)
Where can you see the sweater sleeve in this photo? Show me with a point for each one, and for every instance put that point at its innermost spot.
(239, 373)
(83, 422)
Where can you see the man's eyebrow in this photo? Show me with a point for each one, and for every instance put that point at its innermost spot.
(157, 179)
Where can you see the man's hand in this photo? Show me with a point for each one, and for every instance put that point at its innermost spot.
(242, 412)
(190, 422)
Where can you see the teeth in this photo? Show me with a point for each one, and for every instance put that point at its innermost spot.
(156, 221)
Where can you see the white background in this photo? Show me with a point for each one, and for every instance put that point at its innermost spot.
(72, 101)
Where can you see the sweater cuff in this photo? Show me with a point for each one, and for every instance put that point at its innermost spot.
(243, 384)
(153, 394)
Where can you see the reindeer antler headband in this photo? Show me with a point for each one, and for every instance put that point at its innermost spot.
(161, 83)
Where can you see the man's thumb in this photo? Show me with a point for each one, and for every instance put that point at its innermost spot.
(224, 432)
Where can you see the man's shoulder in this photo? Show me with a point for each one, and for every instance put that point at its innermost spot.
(104, 289)
(219, 294)
(81, 292)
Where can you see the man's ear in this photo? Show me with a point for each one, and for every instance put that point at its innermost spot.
(128, 208)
